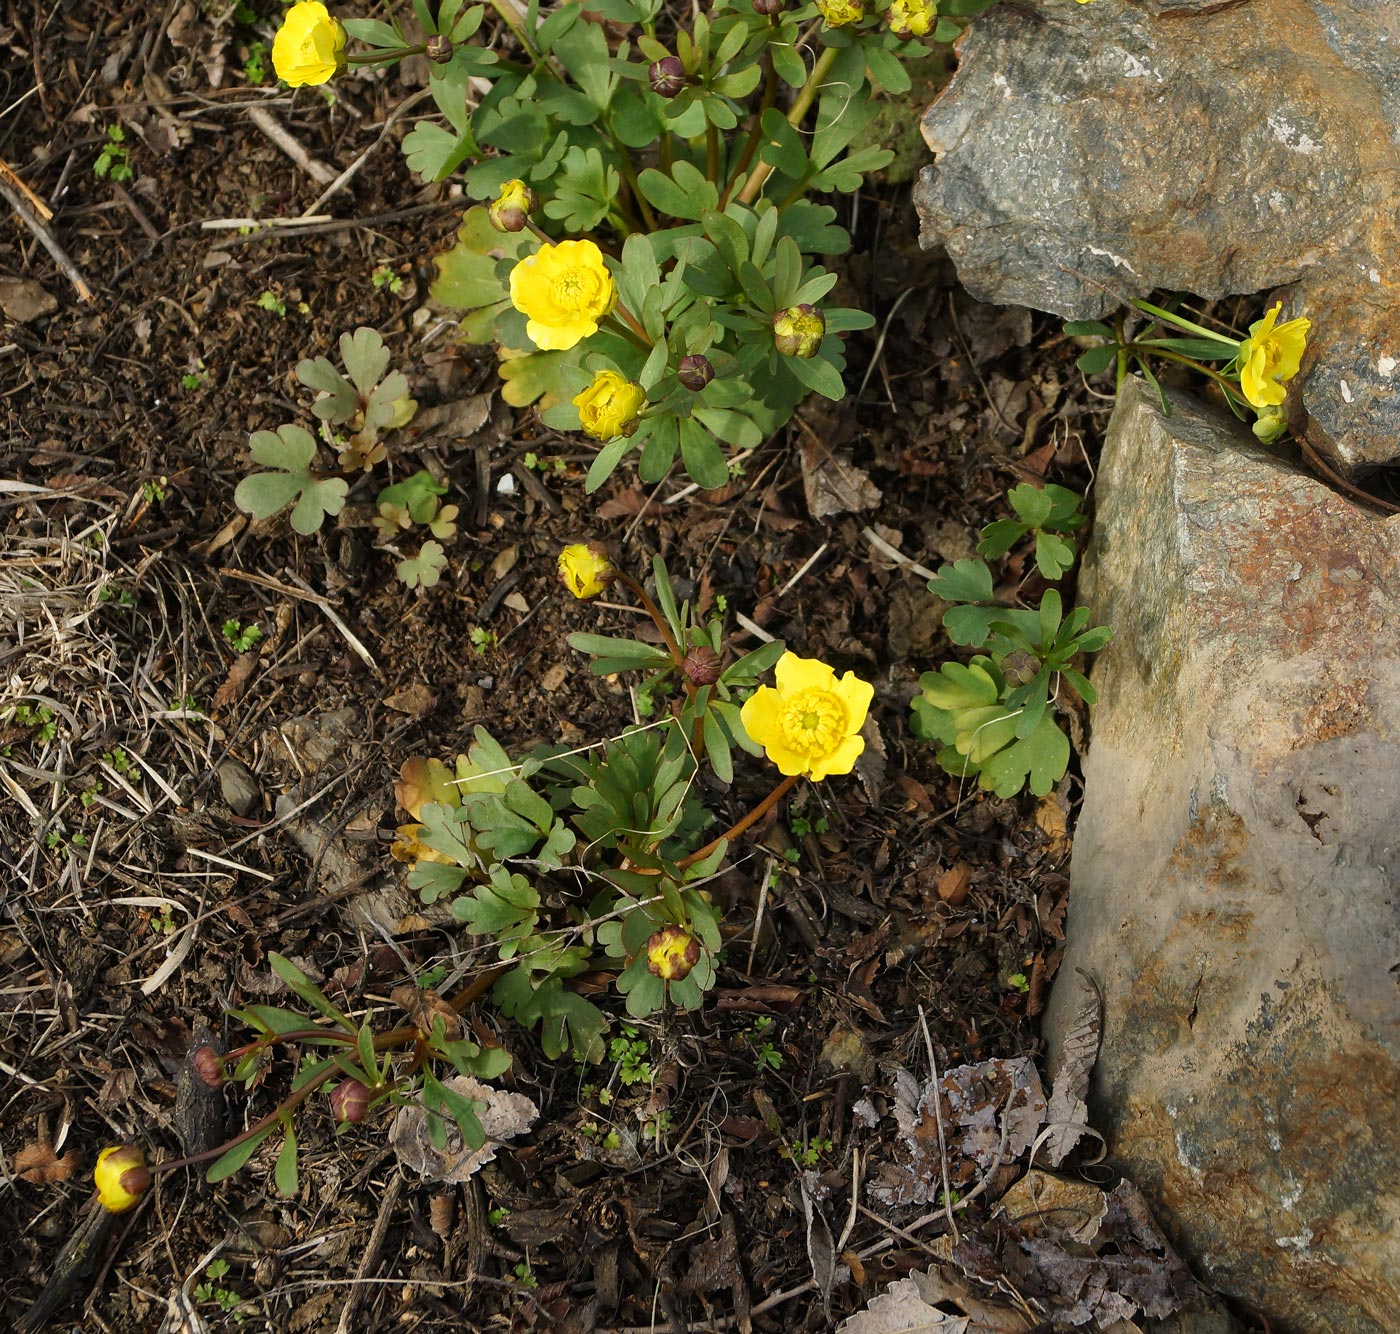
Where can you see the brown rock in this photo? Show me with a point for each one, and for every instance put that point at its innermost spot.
(1233, 881)
(23, 300)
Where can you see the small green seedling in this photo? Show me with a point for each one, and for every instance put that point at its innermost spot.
(241, 638)
(113, 162)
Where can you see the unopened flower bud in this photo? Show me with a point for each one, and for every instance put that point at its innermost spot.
(798, 330)
(671, 953)
(121, 1177)
(695, 372)
(768, 7)
(511, 210)
(701, 665)
(208, 1065)
(1020, 668)
(349, 1100)
(585, 569)
(439, 48)
(667, 76)
(838, 13)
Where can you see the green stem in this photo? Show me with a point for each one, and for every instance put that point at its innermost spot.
(752, 818)
(711, 153)
(800, 108)
(770, 94)
(1184, 325)
(1222, 380)
(384, 57)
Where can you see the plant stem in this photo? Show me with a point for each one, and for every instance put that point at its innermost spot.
(799, 110)
(384, 57)
(652, 610)
(396, 1037)
(770, 93)
(1166, 354)
(1182, 324)
(755, 815)
(711, 153)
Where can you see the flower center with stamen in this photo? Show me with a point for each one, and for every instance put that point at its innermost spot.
(814, 722)
(573, 290)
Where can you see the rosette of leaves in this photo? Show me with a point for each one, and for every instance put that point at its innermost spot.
(368, 403)
(994, 716)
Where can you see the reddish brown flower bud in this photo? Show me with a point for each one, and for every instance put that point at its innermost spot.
(439, 48)
(671, 953)
(701, 666)
(695, 372)
(349, 1100)
(208, 1065)
(768, 7)
(667, 76)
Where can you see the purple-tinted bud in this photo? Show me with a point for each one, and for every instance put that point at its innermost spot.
(667, 76)
(798, 330)
(208, 1065)
(439, 49)
(701, 666)
(349, 1100)
(695, 372)
(768, 7)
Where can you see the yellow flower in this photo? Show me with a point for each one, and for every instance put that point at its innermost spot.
(310, 45)
(1269, 356)
(610, 406)
(798, 331)
(911, 18)
(122, 1177)
(563, 290)
(838, 13)
(811, 723)
(585, 570)
(671, 953)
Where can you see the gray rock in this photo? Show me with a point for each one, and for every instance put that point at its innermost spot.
(239, 787)
(1088, 154)
(24, 300)
(1234, 871)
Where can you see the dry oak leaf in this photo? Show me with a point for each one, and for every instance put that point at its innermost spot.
(40, 1166)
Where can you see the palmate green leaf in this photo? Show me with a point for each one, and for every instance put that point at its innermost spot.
(425, 569)
(956, 687)
(1039, 760)
(466, 277)
(290, 449)
(1053, 555)
(339, 401)
(530, 376)
(685, 193)
(506, 907)
(434, 152)
(963, 581)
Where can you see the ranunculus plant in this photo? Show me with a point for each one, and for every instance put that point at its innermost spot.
(654, 198)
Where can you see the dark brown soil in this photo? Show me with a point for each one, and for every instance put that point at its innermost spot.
(125, 422)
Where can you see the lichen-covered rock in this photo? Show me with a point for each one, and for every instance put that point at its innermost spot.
(1087, 154)
(1234, 875)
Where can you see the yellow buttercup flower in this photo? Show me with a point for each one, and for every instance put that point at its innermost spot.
(1270, 355)
(838, 13)
(563, 290)
(811, 723)
(585, 569)
(610, 406)
(671, 953)
(310, 45)
(911, 18)
(121, 1177)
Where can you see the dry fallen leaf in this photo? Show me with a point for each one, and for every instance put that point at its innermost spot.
(954, 884)
(426, 1007)
(1067, 1114)
(919, 1305)
(40, 1166)
(504, 1116)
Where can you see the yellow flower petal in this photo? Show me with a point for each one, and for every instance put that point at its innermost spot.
(309, 47)
(563, 291)
(1270, 356)
(811, 723)
(611, 406)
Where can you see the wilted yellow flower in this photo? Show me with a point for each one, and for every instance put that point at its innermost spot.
(1270, 355)
(671, 953)
(512, 208)
(121, 1177)
(912, 18)
(563, 290)
(310, 45)
(610, 406)
(798, 331)
(585, 570)
(838, 13)
(811, 723)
